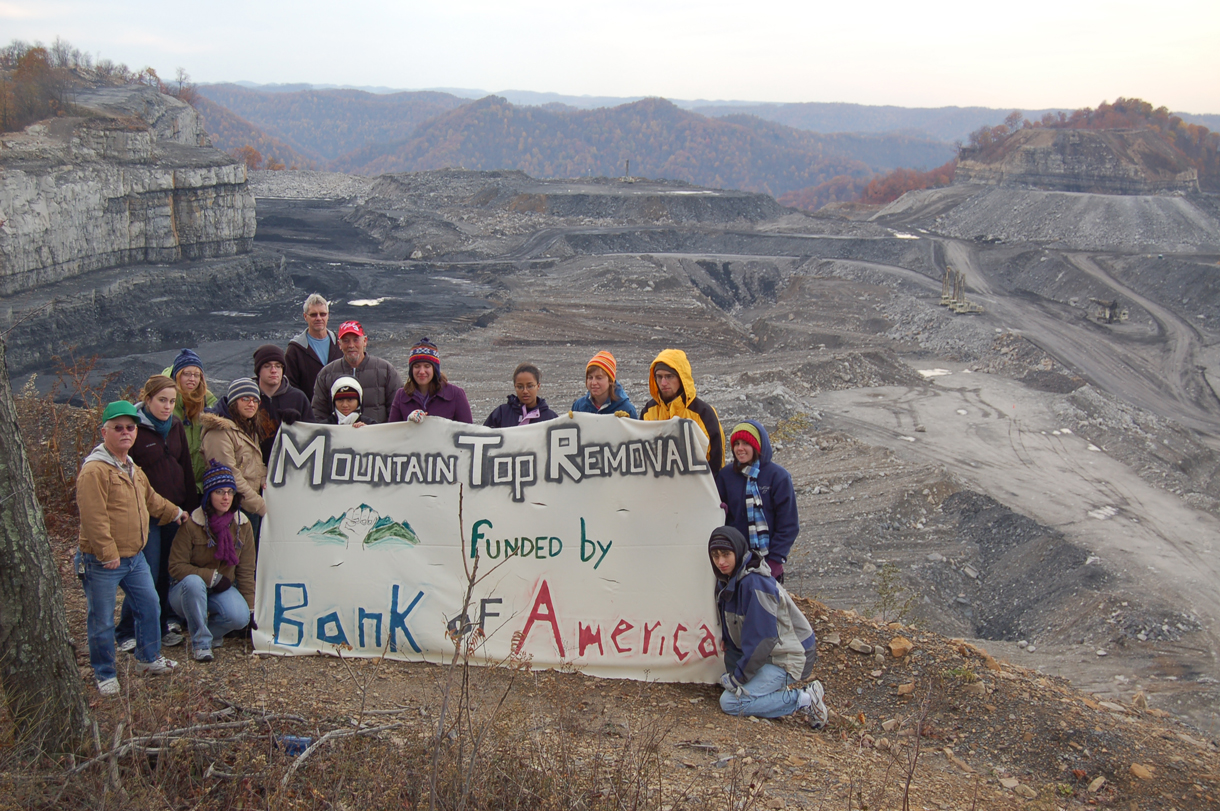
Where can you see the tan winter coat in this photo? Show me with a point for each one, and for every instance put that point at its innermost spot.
(115, 504)
(225, 442)
(192, 555)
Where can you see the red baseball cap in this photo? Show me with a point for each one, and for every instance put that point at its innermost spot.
(351, 328)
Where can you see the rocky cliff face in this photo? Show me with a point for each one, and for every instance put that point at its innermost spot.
(136, 181)
(1101, 161)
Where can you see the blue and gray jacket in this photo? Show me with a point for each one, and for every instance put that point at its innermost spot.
(759, 621)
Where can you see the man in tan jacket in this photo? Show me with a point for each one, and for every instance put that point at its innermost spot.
(115, 502)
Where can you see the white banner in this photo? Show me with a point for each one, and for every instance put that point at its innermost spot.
(589, 533)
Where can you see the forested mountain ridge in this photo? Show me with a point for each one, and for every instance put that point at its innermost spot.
(659, 138)
(327, 124)
(232, 133)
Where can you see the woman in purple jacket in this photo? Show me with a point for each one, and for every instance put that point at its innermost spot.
(427, 392)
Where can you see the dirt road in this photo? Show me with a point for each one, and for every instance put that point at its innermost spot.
(1005, 439)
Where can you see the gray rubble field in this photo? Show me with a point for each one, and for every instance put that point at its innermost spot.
(1031, 472)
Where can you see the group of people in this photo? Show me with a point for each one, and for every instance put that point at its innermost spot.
(171, 500)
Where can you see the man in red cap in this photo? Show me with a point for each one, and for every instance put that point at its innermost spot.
(377, 377)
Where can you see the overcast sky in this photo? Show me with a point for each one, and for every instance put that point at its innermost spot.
(1027, 55)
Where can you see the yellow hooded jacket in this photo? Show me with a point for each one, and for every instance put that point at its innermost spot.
(685, 405)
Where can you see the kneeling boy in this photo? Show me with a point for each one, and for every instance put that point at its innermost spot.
(769, 645)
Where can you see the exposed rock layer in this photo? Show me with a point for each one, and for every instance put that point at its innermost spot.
(135, 182)
(1107, 162)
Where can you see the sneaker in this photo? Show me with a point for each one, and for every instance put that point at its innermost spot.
(203, 655)
(126, 646)
(109, 687)
(157, 667)
(813, 706)
(171, 639)
(173, 626)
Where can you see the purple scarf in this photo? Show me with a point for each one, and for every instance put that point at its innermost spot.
(221, 537)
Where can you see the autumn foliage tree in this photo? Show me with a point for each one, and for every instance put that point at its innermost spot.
(888, 188)
(32, 90)
(1196, 143)
(249, 156)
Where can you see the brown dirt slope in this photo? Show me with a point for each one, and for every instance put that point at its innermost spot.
(991, 735)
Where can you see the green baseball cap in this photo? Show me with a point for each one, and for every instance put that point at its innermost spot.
(119, 408)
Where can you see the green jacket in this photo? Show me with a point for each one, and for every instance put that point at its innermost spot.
(194, 434)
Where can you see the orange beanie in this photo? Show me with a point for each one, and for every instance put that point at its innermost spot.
(606, 362)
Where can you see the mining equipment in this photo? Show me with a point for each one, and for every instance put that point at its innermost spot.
(953, 293)
(1108, 312)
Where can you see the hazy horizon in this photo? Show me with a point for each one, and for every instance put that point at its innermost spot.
(942, 53)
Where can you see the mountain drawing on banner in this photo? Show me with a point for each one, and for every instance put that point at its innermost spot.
(362, 525)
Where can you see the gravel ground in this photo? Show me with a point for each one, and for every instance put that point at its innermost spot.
(307, 184)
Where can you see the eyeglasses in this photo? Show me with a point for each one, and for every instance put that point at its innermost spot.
(191, 375)
(227, 492)
(123, 427)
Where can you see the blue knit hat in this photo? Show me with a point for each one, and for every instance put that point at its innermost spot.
(218, 477)
(185, 358)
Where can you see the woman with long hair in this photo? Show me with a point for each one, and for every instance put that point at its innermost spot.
(233, 442)
(193, 398)
(212, 565)
(427, 392)
(161, 450)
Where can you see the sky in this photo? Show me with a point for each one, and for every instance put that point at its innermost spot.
(1029, 55)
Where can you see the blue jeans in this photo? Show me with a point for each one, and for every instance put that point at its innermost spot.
(208, 616)
(156, 552)
(101, 591)
(766, 695)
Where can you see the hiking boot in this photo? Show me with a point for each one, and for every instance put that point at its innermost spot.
(157, 667)
(126, 646)
(109, 687)
(813, 706)
(171, 639)
(203, 655)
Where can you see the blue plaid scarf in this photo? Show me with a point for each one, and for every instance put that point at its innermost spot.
(760, 534)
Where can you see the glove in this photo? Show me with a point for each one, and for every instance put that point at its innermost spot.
(729, 682)
(288, 416)
(621, 414)
(571, 415)
(253, 624)
(222, 585)
(417, 415)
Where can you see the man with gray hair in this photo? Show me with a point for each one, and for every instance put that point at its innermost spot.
(115, 502)
(317, 346)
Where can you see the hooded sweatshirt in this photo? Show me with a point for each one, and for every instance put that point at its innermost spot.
(778, 499)
(618, 401)
(759, 621)
(686, 404)
(115, 502)
(301, 364)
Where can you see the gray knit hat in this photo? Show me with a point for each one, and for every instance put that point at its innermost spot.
(242, 387)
